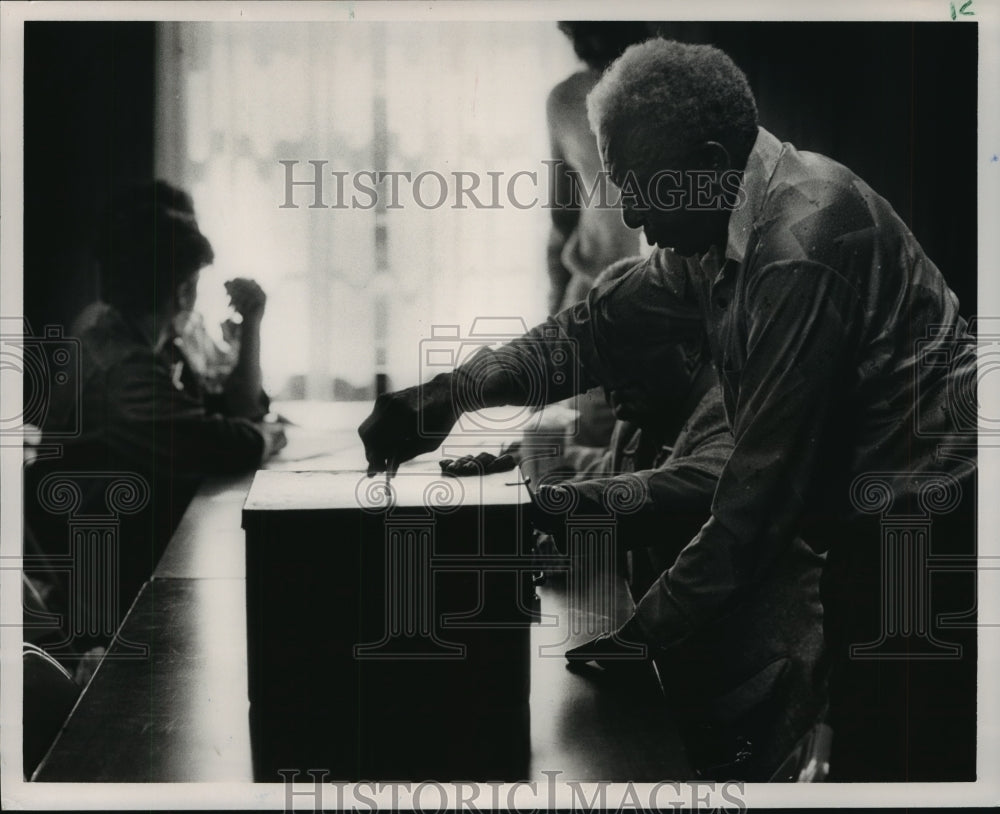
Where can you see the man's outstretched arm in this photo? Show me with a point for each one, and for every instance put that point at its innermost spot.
(538, 368)
(583, 346)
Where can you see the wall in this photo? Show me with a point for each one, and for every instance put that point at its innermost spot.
(896, 102)
(88, 131)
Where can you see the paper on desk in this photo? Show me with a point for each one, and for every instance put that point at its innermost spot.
(343, 447)
(353, 489)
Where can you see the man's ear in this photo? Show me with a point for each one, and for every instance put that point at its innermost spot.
(712, 155)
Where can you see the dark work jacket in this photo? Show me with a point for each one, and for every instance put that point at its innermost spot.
(746, 687)
(848, 374)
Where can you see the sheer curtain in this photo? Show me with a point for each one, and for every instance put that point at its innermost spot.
(353, 291)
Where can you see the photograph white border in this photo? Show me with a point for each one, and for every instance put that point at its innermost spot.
(18, 794)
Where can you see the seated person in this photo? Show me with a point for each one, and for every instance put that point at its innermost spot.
(671, 434)
(748, 687)
(148, 431)
(229, 371)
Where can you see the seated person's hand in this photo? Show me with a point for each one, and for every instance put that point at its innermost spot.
(617, 652)
(484, 463)
(408, 423)
(552, 504)
(247, 297)
(630, 402)
(275, 439)
(231, 331)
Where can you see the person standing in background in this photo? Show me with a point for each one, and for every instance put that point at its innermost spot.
(587, 233)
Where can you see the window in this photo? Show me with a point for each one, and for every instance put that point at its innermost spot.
(354, 288)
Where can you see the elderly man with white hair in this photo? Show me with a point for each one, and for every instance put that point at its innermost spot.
(846, 371)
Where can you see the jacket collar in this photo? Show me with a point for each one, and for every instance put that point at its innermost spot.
(760, 167)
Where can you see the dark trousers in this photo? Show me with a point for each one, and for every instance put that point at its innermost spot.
(745, 688)
(902, 678)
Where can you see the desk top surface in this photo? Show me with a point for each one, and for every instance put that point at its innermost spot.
(180, 712)
(353, 489)
(169, 701)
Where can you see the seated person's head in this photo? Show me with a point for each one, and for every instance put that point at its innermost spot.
(660, 383)
(599, 43)
(151, 251)
(665, 113)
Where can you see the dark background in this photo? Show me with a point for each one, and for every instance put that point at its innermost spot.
(895, 102)
(89, 95)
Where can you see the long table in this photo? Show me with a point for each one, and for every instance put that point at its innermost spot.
(180, 713)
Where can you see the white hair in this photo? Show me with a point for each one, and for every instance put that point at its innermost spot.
(663, 95)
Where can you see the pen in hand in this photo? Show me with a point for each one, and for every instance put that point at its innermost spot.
(390, 470)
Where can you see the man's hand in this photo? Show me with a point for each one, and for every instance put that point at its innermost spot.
(247, 298)
(408, 423)
(617, 652)
(551, 504)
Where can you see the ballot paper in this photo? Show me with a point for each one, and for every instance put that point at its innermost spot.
(354, 489)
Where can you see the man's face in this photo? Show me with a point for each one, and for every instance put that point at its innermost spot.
(677, 205)
(185, 297)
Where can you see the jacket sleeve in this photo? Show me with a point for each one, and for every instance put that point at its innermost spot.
(153, 421)
(596, 342)
(800, 318)
(685, 482)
